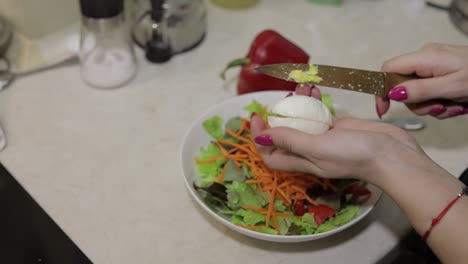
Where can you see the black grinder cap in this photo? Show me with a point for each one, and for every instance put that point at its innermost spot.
(101, 8)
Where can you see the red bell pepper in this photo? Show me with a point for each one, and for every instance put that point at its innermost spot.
(300, 208)
(357, 190)
(268, 47)
(321, 213)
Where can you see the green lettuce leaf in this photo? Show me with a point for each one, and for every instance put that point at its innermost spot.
(342, 217)
(345, 215)
(300, 227)
(283, 225)
(309, 218)
(247, 218)
(240, 194)
(234, 124)
(255, 107)
(233, 173)
(209, 171)
(267, 230)
(214, 127)
(250, 217)
(247, 171)
(214, 203)
(237, 220)
(279, 206)
(326, 226)
(328, 102)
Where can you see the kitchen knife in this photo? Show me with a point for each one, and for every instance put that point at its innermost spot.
(371, 82)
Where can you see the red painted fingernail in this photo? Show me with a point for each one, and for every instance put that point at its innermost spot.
(252, 115)
(264, 140)
(437, 110)
(289, 94)
(378, 111)
(456, 111)
(398, 93)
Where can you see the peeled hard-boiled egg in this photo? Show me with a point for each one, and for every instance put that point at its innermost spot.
(303, 113)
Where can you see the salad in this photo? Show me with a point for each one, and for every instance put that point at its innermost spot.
(235, 183)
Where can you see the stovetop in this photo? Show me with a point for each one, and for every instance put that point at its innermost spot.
(27, 234)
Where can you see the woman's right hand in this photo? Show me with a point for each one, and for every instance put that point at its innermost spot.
(443, 89)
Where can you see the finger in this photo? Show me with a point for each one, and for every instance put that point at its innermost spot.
(283, 160)
(381, 106)
(308, 90)
(432, 108)
(420, 90)
(274, 157)
(315, 93)
(361, 124)
(430, 61)
(452, 111)
(303, 89)
(257, 125)
(372, 126)
(288, 139)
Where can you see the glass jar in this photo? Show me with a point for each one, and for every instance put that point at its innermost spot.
(107, 58)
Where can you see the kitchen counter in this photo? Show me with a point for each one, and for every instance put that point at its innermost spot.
(105, 164)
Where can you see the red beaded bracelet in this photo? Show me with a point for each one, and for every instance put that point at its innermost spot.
(436, 220)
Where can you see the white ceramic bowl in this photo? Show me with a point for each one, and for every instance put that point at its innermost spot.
(196, 138)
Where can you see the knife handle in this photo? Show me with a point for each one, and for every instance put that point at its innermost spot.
(394, 79)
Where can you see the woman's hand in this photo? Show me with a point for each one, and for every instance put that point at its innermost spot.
(443, 89)
(381, 154)
(353, 148)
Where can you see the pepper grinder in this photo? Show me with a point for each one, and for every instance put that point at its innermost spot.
(107, 58)
(158, 48)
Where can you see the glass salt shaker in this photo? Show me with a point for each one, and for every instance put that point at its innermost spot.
(107, 59)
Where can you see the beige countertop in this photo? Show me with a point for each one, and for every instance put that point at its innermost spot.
(104, 164)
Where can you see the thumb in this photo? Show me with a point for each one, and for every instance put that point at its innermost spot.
(284, 138)
(287, 139)
(282, 148)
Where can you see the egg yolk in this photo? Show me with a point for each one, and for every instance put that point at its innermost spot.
(305, 76)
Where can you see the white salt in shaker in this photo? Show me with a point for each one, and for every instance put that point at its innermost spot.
(106, 50)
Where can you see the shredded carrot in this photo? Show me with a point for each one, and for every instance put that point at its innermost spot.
(210, 160)
(287, 187)
(232, 134)
(220, 177)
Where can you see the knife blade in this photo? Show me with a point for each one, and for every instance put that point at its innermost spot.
(364, 81)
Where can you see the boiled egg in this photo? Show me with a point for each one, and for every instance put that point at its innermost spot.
(303, 113)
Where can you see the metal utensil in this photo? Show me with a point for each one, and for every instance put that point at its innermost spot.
(372, 82)
(6, 35)
(5, 40)
(2, 138)
(410, 124)
(7, 77)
